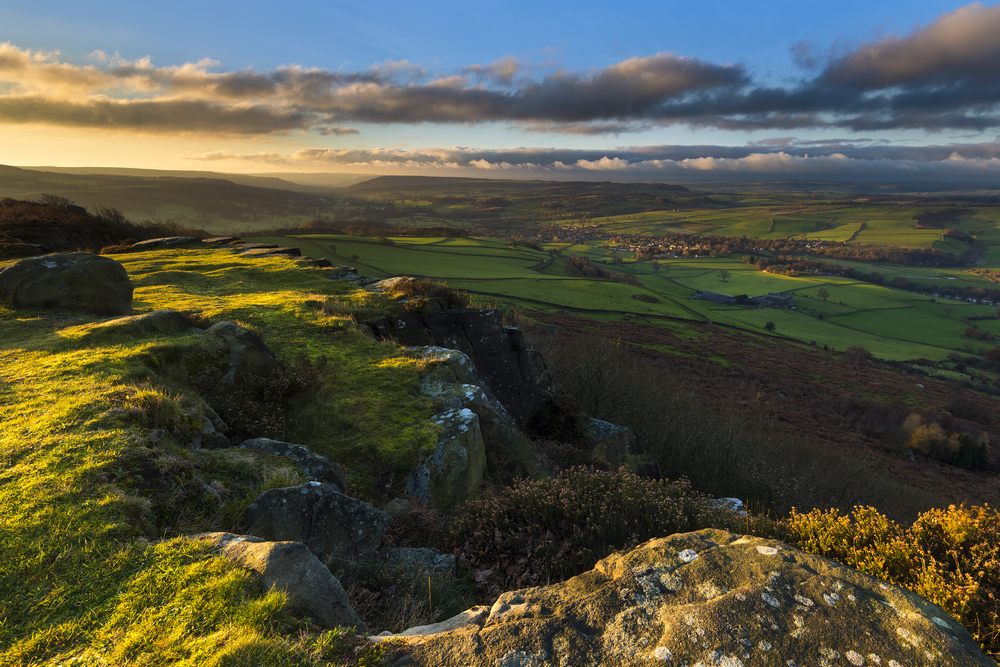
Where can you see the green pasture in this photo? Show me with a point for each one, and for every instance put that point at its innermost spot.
(891, 323)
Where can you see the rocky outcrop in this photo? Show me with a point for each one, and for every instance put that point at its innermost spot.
(292, 568)
(334, 526)
(455, 469)
(72, 281)
(608, 442)
(515, 373)
(478, 435)
(317, 468)
(706, 598)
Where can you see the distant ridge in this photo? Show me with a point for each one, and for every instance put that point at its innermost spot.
(380, 183)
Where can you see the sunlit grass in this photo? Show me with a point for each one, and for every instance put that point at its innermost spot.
(87, 496)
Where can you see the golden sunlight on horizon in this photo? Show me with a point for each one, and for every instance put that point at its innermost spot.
(48, 146)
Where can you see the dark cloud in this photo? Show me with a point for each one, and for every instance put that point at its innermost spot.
(944, 76)
(152, 116)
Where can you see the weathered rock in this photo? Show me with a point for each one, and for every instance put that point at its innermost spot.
(478, 434)
(419, 558)
(247, 359)
(290, 567)
(241, 247)
(317, 262)
(470, 617)
(164, 242)
(455, 470)
(272, 252)
(316, 467)
(222, 240)
(155, 322)
(345, 273)
(516, 374)
(608, 442)
(332, 525)
(75, 281)
(732, 504)
(708, 598)
(213, 431)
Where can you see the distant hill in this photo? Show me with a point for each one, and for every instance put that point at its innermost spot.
(309, 182)
(209, 201)
(443, 184)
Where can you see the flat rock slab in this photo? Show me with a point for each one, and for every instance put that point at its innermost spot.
(710, 598)
(164, 242)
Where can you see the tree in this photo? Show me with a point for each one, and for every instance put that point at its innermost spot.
(724, 275)
(55, 200)
(769, 326)
(823, 293)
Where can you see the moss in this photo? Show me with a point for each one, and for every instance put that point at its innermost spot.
(87, 487)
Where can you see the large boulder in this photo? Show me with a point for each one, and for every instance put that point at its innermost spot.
(315, 466)
(73, 281)
(706, 598)
(334, 526)
(292, 568)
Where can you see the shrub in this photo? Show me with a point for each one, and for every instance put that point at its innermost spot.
(539, 531)
(960, 449)
(418, 291)
(950, 556)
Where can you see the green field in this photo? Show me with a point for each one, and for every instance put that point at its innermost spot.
(891, 323)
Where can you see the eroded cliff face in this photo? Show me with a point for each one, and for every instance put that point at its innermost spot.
(704, 598)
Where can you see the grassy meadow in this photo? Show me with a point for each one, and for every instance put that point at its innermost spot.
(90, 557)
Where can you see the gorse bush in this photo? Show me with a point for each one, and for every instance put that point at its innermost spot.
(950, 556)
(540, 531)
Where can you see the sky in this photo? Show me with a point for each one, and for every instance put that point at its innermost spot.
(665, 90)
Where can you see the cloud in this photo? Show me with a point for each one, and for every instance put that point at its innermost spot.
(150, 116)
(787, 158)
(500, 71)
(942, 76)
(960, 46)
(336, 131)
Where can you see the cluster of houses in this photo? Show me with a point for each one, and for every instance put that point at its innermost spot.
(770, 300)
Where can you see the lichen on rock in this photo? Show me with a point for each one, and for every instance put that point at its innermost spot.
(709, 597)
